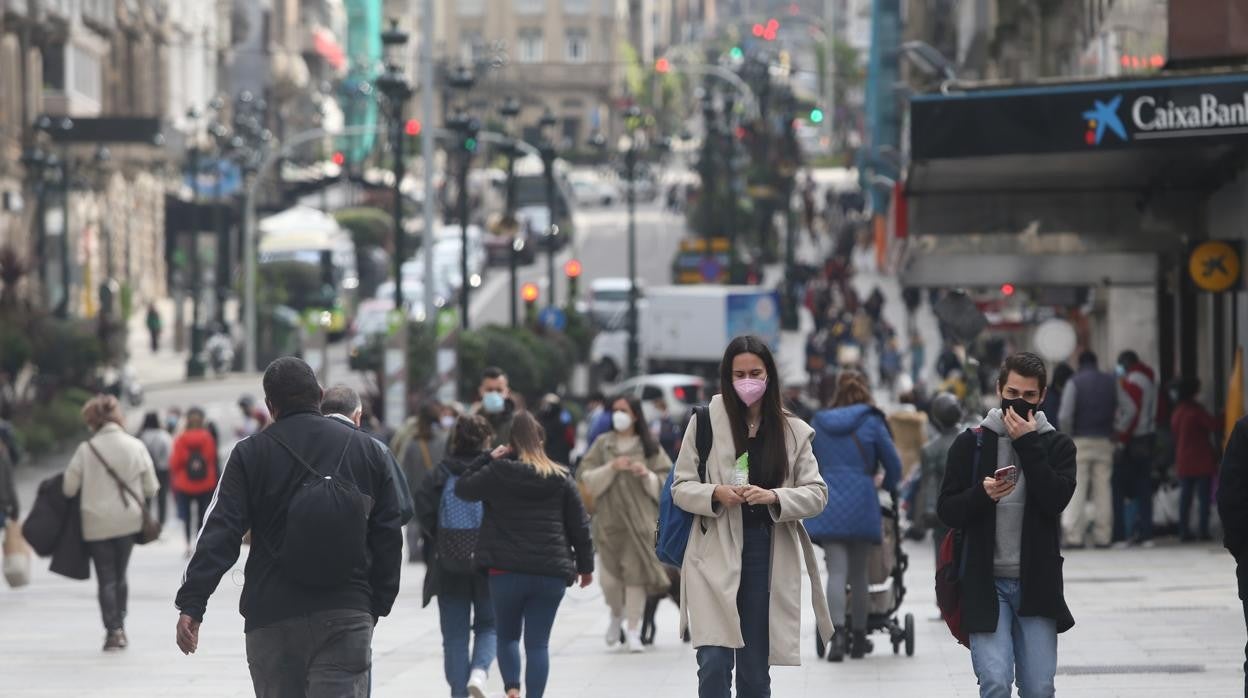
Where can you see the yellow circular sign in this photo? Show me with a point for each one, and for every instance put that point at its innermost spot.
(1214, 266)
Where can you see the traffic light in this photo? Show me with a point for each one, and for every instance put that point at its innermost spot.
(758, 30)
(529, 293)
(339, 159)
(736, 53)
(1007, 289)
(412, 127)
(769, 31)
(469, 142)
(662, 66)
(572, 269)
(816, 116)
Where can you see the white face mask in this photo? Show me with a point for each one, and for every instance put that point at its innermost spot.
(447, 421)
(622, 421)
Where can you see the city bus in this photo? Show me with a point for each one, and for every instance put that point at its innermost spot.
(307, 262)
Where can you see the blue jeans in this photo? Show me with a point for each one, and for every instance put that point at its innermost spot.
(464, 606)
(525, 603)
(715, 664)
(1026, 644)
(1203, 488)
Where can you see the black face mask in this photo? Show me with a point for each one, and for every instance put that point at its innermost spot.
(1021, 407)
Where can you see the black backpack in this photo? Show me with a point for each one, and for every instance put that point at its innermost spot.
(326, 526)
(196, 466)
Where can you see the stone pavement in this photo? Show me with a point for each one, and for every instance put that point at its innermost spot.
(1162, 622)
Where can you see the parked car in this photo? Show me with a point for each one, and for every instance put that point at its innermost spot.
(680, 391)
(590, 189)
(372, 321)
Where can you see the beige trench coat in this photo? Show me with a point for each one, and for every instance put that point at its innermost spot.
(712, 570)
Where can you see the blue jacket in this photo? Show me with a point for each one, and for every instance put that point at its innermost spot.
(853, 510)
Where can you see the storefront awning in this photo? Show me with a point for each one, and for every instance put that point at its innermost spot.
(1105, 157)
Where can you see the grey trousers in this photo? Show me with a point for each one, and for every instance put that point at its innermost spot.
(847, 562)
(322, 655)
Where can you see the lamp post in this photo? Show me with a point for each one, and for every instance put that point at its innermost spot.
(462, 80)
(394, 86)
(547, 125)
(509, 111)
(630, 144)
(35, 162)
(61, 165)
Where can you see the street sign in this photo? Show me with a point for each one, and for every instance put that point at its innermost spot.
(1214, 266)
(710, 269)
(553, 318)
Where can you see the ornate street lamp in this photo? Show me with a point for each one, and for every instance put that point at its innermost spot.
(630, 144)
(466, 127)
(547, 126)
(510, 110)
(395, 88)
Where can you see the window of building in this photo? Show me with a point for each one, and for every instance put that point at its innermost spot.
(576, 7)
(54, 67)
(531, 49)
(470, 46)
(470, 8)
(530, 7)
(577, 46)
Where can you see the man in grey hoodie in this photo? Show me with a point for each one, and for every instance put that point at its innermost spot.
(1005, 487)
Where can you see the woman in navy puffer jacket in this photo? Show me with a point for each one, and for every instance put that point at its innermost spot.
(852, 442)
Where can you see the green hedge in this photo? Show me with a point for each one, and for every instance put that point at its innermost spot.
(369, 227)
(53, 425)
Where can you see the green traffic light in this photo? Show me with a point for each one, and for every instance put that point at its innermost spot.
(816, 116)
(470, 144)
(736, 53)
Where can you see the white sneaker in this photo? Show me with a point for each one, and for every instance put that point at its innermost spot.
(633, 638)
(614, 627)
(476, 683)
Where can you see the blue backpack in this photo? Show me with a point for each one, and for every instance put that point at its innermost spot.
(459, 523)
(671, 535)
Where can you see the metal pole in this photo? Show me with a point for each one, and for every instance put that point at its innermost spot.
(397, 145)
(63, 308)
(249, 274)
(427, 146)
(515, 286)
(223, 245)
(549, 162)
(463, 238)
(510, 218)
(630, 166)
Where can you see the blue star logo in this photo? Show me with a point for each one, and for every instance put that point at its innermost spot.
(1104, 115)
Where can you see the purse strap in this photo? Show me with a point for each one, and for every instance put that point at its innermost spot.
(122, 487)
(863, 452)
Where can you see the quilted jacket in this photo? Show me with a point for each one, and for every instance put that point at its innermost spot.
(853, 510)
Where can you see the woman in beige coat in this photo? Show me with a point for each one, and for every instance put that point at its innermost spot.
(622, 473)
(111, 517)
(741, 582)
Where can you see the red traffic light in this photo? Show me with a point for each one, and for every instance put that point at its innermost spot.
(529, 292)
(773, 24)
(572, 268)
(412, 127)
(759, 30)
(662, 65)
(339, 159)
(1007, 289)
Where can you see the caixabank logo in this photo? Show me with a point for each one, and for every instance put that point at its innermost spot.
(1103, 116)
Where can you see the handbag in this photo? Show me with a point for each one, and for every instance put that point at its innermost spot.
(150, 528)
(16, 557)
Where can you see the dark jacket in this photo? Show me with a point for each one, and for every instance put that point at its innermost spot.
(54, 527)
(533, 524)
(256, 486)
(403, 493)
(428, 500)
(1233, 491)
(1088, 405)
(1048, 464)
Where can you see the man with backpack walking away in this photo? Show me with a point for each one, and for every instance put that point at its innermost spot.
(1006, 484)
(343, 404)
(319, 500)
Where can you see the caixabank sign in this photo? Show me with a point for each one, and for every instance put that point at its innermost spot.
(1080, 117)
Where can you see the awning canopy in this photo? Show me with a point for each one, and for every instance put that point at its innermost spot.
(1104, 157)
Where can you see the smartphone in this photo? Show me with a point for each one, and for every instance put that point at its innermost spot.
(1008, 474)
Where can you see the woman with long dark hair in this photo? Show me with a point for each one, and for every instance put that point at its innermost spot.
(623, 472)
(534, 542)
(741, 592)
(851, 442)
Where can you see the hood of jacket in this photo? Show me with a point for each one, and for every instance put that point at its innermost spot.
(525, 482)
(457, 464)
(840, 421)
(995, 423)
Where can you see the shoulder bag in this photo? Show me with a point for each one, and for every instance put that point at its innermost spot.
(150, 529)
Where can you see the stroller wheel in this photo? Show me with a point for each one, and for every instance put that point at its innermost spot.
(909, 634)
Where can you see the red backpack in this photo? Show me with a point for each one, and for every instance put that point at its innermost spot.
(951, 566)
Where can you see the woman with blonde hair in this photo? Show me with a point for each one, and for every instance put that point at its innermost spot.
(534, 543)
(113, 473)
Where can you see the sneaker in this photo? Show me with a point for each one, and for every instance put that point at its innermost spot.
(476, 683)
(1150, 543)
(614, 627)
(114, 641)
(121, 637)
(633, 639)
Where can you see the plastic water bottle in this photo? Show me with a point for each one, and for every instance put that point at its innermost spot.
(741, 472)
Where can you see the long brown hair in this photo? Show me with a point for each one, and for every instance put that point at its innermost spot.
(527, 438)
(852, 388)
(774, 422)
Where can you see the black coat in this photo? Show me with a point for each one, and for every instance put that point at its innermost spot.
(1233, 492)
(428, 501)
(54, 527)
(533, 524)
(1048, 464)
(256, 487)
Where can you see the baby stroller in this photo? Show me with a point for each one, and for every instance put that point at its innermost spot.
(886, 570)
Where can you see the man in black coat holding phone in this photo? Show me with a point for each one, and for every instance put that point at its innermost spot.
(1010, 520)
(1233, 510)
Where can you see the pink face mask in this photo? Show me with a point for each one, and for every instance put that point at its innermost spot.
(750, 390)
